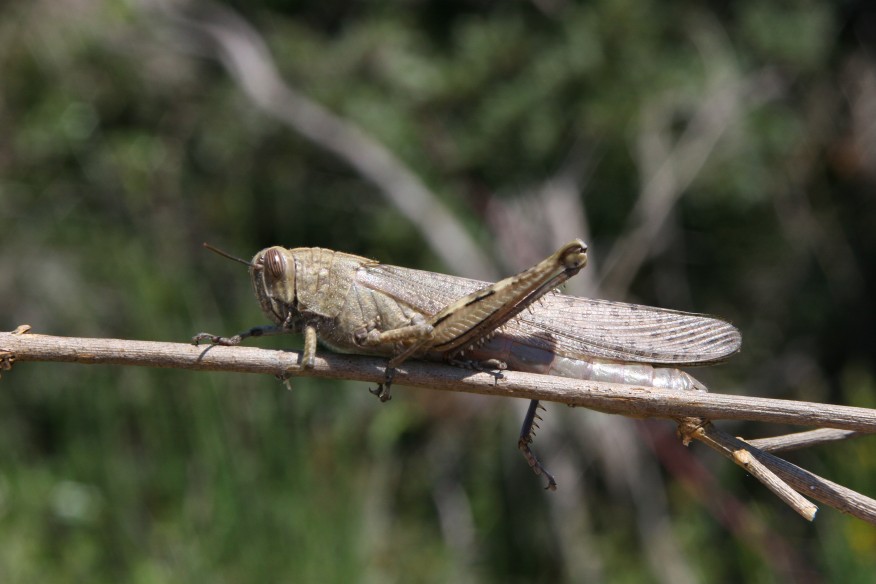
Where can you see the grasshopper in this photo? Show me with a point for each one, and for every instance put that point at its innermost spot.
(358, 305)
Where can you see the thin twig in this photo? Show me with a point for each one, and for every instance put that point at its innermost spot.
(802, 480)
(606, 397)
(740, 453)
(799, 440)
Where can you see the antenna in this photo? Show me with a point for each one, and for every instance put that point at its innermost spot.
(226, 255)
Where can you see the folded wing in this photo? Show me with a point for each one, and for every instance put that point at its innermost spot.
(574, 326)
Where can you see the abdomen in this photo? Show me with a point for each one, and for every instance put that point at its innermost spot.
(521, 357)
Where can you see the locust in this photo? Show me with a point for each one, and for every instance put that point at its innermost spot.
(353, 304)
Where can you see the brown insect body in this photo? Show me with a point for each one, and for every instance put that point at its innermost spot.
(346, 297)
(318, 287)
(357, 305)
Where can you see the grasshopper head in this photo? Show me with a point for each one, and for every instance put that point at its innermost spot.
(273, 279)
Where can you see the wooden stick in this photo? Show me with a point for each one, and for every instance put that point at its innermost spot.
(741, 454)
(613, 398)
(799, 440)
(19, 347)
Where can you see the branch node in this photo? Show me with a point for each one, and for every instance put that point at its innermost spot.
(742, 457)
(7, 358)
(690, 429)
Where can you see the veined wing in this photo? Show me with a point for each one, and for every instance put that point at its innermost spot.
(427, 292)
(574, 326)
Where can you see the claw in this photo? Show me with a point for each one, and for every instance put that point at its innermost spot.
(535, 465)
(285, 379)
(216, 340)
(382, 391)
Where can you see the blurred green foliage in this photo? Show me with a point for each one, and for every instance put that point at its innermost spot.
(123, 149)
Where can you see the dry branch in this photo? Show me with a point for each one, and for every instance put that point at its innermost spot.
(612, 398)
(746, 457)
(799, 440)
(605, 397)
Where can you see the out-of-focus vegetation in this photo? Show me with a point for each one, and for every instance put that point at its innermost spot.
(731, 146)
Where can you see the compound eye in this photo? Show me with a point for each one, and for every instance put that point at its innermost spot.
(275, 265)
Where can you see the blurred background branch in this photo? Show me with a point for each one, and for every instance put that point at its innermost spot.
(242, 51)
